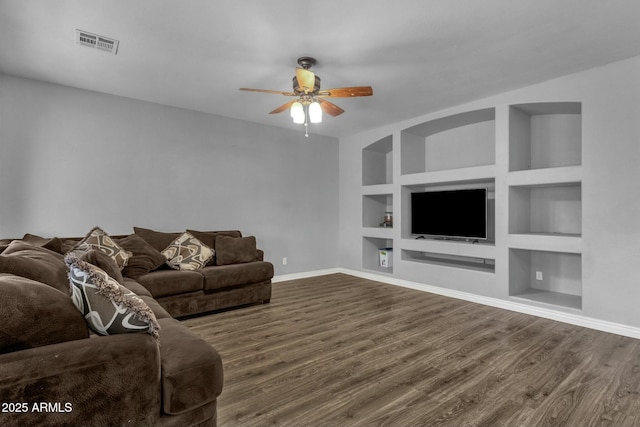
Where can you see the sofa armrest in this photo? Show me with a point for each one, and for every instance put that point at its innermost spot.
(259, 255)
(112, 380)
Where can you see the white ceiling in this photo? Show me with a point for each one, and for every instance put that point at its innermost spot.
(418, 55)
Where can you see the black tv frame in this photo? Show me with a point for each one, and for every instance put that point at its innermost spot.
(454, 200)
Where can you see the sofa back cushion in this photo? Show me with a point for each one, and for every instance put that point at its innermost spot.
(36, 263)
(104, 262)
(145, 257)
(209, 237)
(53, 243)
(33, 314)
(158, 239)
(235, 250)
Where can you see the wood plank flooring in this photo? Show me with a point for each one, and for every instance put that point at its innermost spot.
(338, 350)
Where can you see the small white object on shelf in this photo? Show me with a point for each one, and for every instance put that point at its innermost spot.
(386, 257)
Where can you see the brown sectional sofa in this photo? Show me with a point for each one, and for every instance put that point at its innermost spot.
(54, 371)
(223, 283)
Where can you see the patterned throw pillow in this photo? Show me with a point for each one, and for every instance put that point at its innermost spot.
(108, 307)
(98, 239)
(187, 253)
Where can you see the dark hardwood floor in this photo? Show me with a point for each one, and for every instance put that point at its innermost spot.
(338, 350)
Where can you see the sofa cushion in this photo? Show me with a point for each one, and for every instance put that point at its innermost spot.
(53, 243)
(104, 262)
(108, 307)
(187, 253)
(4, 244)
(157, 309)
(136, 287)
(224, 276)
(35, 314)
(209, 238)
(192, 373)
(68, 244)
(158, 239)
(183, 304)
(235, 250)
(163, 283)
(144, 258)
(35, 263)
(96, 238)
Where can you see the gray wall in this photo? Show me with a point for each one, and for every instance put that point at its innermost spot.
(72, 159)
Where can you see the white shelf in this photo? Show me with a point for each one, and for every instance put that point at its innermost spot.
(545, 177)
(457, 176)
(378, 189)
(378, 232)
(555, 299)
(450, 247)
(479, 265)
(565, 243)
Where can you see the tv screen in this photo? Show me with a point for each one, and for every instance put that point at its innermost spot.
(450, 214)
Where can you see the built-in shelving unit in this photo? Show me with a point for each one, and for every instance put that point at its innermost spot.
(529, 157)
(545, 203)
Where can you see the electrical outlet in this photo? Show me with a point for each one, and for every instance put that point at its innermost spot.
(538, 275)
(284, 261)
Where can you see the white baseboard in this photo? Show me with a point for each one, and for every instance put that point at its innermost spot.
(304, 275)
(571, 318)
(546, 313)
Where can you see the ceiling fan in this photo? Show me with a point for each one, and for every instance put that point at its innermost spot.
(311, 99)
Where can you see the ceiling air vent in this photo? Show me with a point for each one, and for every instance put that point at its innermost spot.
(95, 41)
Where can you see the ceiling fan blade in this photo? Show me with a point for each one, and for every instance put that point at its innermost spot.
(277, 92)
(283, 107)
(347, 92)
(306, 80)
(330, 108)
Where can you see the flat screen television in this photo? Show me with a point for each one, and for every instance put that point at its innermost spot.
(454, 214)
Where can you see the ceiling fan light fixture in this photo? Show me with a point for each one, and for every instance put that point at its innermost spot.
(312, 101)
(315, 112)
(297, 113)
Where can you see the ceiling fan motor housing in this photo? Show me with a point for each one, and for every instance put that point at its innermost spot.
(298, 90)
(306, 62)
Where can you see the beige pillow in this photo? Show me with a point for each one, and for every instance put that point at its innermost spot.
(187, 253)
